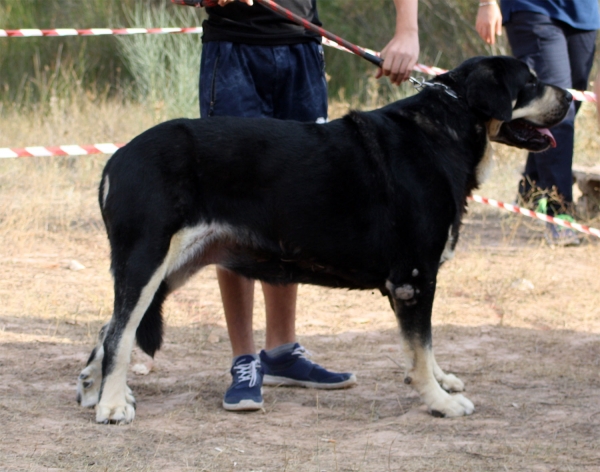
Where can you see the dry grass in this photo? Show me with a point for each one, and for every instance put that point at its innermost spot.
(529, 353)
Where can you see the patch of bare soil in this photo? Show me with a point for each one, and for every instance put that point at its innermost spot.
(517, 321)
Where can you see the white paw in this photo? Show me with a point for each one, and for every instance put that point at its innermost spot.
(451, 383)
(88, 385)
(122, 413)
(129, 397)
(451, 406)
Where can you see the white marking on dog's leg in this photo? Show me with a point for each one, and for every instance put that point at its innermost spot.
(404, 292)
(90, 378)
(419, 364)
(105, 188)
(193, 243)
(449, 382)
(187, 245)
(117, 403)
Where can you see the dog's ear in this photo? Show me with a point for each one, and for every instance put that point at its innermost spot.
(488, 94)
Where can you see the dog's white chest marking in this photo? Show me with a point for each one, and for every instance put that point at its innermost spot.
(486, 165)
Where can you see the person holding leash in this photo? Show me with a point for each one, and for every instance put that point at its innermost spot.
(557, 39)
(257, 64)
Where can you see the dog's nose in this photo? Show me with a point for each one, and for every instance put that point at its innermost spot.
(568, 97)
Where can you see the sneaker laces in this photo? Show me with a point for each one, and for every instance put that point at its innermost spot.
(302, 353)
(247, 372)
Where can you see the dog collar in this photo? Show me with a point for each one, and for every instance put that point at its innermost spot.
(420, 84)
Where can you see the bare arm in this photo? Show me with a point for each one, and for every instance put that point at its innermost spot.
(401, 53)
(489, 21)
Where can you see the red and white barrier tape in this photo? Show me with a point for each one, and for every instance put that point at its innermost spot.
(582, 96)
(532, 214)
(25, 33)
(68, 150)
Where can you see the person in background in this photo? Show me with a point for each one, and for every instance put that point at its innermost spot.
(556, 38)
(257, 64)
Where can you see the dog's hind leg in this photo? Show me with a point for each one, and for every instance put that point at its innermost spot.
(139, 281)
(139, 271)
(413, 302)
(90, 378)
(148, 336)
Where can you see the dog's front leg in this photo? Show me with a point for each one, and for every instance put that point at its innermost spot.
(413, 301)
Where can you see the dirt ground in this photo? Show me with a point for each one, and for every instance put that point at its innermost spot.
(519, 322)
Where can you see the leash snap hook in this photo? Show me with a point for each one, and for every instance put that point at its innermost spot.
(421, 83)
(447, 90)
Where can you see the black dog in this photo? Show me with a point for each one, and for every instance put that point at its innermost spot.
(370, 201)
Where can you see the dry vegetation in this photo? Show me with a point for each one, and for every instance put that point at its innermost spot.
(518, 321)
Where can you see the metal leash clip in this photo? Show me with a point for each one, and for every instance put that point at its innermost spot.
(421, 83)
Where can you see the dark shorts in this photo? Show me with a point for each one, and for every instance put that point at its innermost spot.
(284, 82)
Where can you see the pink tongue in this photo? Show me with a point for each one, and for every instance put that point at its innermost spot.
(546, 132)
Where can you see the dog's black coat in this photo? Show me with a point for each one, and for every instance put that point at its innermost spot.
(369, 201)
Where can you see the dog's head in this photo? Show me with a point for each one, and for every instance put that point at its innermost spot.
(517, 107)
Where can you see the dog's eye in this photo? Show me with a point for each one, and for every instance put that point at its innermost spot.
(532, 81)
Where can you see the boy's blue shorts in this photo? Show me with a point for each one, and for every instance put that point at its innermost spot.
(285, 82)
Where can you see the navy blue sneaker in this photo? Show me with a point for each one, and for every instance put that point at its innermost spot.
(557, 235)
(245, 391)
(294, 369)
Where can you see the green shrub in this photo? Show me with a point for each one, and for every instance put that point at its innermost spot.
(24, 62)
(165, 67)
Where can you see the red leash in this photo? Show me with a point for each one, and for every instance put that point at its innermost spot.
(378, 61)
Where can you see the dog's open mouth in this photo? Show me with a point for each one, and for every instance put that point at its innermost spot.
(521, 133)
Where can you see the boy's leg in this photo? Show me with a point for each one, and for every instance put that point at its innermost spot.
(237, 294)
(280, 307)
(227, 89)
(301, 95)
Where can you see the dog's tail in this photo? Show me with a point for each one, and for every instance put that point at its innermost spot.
(149, 333)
